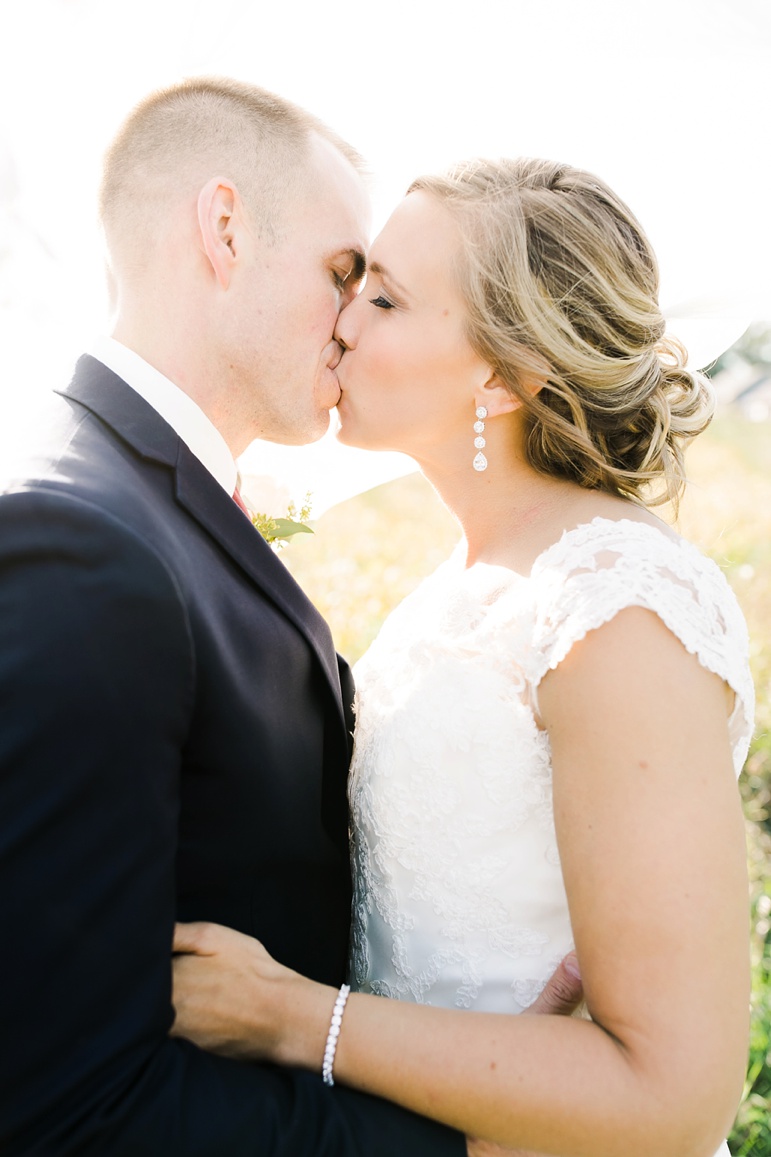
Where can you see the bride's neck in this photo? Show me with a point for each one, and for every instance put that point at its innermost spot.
(508, 513)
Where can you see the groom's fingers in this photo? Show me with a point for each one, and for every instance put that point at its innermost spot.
(195, 937)
(476, 1148)
(563, 992)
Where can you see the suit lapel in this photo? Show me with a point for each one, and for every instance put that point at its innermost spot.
(198, 492)
(206, 501)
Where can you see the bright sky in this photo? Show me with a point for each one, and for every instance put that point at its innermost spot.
(668, 100)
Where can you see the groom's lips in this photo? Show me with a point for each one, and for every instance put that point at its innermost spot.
(332, 364)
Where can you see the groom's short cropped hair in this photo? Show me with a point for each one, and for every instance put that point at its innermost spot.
(179, 137)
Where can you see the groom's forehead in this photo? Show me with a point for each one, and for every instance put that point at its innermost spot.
(335, 204)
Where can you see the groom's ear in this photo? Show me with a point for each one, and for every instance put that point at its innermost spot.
(219, 209)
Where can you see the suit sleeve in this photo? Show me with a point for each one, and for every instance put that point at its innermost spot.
(97, 677)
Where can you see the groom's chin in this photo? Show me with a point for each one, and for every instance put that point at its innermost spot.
(327, 427)
(306, 434)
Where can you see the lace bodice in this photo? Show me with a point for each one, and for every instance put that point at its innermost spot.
(458, 892)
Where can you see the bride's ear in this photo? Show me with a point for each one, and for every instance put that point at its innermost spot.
(498, 398)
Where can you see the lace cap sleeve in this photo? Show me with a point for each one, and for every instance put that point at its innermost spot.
(601, 568)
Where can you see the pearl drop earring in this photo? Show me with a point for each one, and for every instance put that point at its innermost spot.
(480, 462)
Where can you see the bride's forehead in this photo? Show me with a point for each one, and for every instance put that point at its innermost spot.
(419, 211)
(420, 235)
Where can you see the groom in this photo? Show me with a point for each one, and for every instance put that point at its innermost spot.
(175, 726)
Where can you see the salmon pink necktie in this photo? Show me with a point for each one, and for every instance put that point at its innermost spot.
(240, 502)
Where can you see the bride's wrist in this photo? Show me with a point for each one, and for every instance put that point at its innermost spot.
(304, 1017)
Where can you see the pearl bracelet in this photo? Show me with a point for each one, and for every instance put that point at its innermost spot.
(334, 1032)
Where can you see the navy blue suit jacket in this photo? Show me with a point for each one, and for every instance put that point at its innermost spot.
(174, 744)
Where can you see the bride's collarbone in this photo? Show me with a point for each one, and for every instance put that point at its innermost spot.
(517, 544)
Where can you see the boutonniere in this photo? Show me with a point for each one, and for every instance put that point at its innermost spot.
(278, 531)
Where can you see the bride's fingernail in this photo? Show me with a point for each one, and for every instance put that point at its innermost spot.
(571, 965)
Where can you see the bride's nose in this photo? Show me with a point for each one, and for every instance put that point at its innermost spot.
(345, 329)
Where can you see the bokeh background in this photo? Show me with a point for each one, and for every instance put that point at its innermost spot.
(668, 100)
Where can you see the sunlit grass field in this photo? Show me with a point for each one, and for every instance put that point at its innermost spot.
(370, 552)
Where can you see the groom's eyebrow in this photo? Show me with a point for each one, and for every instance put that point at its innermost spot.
(358, 264)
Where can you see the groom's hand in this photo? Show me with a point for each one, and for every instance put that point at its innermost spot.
(224, 985)
(563, 992)
(561, 996)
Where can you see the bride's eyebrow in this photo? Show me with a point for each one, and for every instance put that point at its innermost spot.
(381, 271)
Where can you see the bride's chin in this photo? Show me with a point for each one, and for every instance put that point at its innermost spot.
(356, 434)
(348, 438)
(346, 432)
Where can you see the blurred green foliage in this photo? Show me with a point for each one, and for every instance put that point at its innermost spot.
(754, 346)
(370, 552)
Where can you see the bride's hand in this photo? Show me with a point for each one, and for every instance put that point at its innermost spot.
(231, 997)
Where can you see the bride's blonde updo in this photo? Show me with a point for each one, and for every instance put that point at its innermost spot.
(561, 286)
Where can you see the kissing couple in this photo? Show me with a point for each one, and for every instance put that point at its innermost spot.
(547, 731)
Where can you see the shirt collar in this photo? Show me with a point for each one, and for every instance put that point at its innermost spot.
(176, 407)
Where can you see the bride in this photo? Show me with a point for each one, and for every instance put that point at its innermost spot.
(549, 728)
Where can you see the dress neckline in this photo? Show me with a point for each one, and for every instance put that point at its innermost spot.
(581, 528)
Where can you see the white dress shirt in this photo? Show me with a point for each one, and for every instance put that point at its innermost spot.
(176, 407)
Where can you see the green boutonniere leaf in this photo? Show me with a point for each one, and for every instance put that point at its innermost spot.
(286, 528)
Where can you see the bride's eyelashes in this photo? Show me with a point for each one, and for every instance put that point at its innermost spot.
(382, 302)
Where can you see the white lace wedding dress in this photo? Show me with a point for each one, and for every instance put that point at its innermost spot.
(458, 893)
